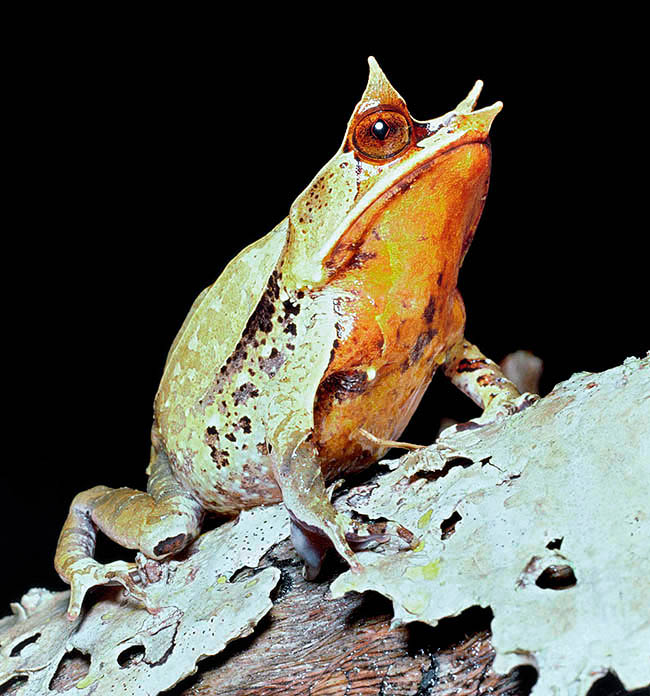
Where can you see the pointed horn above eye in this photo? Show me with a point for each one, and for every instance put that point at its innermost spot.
(466, 106)
(379, 90)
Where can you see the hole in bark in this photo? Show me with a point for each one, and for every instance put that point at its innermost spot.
(17, 649)
(611, 685)
(448, 526)
(449, 632)
(556, 577)
(11, 687)
(525, 677)
(74, 666)
(130, 656)
(435, 475)
(555, 543)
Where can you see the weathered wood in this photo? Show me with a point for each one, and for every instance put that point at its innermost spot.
(316, 646)
(307, 644)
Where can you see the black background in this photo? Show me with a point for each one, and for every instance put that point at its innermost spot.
(147, 151)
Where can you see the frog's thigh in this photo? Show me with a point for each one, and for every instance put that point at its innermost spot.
(315, 523)
(159, 522)
(483, 381)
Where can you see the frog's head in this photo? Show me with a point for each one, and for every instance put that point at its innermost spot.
(384, 152)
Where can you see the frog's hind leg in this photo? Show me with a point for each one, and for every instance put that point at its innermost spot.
(316, 525)
(158, 523)
(484, 382)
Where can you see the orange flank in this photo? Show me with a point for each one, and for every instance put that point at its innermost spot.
(399, 264)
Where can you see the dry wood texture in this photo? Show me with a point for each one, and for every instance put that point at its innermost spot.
(314, 646)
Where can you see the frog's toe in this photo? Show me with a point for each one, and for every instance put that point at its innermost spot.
(87, 573)
(362, 536)
(508, 407)
(497, 410)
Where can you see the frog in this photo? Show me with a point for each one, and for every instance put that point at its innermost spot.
(304, 361)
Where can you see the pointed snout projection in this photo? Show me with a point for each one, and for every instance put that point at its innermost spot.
(463, 118)
(481, 120)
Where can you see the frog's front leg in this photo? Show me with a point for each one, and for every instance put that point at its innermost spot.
(484, 382)
(158, 523)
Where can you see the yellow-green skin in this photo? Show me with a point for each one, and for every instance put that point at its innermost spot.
(234, 413)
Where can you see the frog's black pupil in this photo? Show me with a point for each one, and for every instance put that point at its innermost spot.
(380, 129)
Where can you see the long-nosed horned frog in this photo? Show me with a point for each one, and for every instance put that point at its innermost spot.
(311, 351)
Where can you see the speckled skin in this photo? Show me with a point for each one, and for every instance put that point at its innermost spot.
(332, 323)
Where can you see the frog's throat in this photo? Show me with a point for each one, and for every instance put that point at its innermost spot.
(373, 196)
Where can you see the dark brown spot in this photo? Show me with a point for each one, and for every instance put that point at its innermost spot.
(290, 329)
(245, 424)
(439, 281)
(231, 437)
(273, 363)
(421, 343)
(262, 448)
(244, 393)
(430, 310)
(273, 285)
(169, 545)
(290, 308)
(211, 430)
(359, 259)
(260, 319)
(344, 384)
(469, 365)
(219, 457)
(486, 380)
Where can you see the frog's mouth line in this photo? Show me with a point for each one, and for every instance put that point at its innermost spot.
(370, 199)
(407, 180)
(373, 209)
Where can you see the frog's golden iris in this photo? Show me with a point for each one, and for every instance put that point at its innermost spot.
(382, 135)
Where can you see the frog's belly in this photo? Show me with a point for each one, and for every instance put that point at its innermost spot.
(245, 482)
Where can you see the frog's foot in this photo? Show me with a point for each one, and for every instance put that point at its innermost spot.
(312, 544)
(484, 382)
(87, 573)
(497, 410)
(158, 523)
(500, 408)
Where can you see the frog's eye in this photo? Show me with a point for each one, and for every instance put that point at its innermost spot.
(382, 134)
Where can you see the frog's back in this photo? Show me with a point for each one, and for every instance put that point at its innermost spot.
(212, 329)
